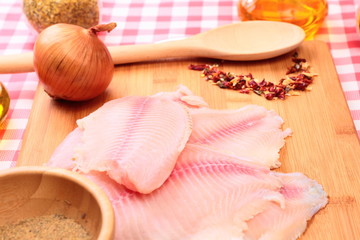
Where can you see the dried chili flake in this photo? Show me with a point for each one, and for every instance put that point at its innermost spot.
(199, 67)
(258, 92)
(298, 78)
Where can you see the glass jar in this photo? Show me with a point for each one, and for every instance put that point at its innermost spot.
(308, 14)
(43, 13)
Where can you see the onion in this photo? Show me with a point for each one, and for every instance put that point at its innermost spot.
(72, 63)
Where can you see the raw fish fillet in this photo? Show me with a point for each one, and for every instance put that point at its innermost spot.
(136, 140)
(304, 197)
(252, 132)
(213, 196)
(63, 155)
(220, 187)
(184, 96)
(203, 199)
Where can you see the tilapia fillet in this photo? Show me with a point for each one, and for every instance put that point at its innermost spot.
(210, 195)
(212, 181)
(252, 132)
(303, 198)
(135, 140)
(184, 96)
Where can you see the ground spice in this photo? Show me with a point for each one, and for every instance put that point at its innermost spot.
(53, 226)
(43, 13)
(298, 78)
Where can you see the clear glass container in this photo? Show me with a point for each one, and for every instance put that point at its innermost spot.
(4, 102)
(43, 13)
(308, 14)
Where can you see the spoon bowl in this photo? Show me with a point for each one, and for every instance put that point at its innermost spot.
(241, 41)
(253, 40)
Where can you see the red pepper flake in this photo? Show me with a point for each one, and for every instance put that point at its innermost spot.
(298, 78)
(199, 67)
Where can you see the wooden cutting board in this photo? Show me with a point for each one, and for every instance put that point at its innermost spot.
(324, 144)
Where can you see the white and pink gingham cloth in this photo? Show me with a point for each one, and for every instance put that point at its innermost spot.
(147, 21)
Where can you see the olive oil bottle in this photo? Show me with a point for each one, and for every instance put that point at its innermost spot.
(308, 14)
(4, 102)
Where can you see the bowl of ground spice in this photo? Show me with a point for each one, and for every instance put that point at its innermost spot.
(52, 203)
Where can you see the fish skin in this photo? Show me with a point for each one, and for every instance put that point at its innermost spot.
(252, 132)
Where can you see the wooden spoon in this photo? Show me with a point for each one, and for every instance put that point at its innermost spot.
(242, 41)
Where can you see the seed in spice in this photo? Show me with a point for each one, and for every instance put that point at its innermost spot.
(53, 226)
(44, 13)
(298, 78)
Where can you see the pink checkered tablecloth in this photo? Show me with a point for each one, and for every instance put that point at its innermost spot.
(147, 21)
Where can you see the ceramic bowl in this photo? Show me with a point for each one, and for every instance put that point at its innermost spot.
(28, 192)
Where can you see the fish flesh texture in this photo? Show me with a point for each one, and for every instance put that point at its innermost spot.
(70, 153)
(211, 182)
(211, 195)
(185, 96)
(63, 156)
(202, 199)
(135, 140)
(304, 197)
(252, 132)
(140, 140)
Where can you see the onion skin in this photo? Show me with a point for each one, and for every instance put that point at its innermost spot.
(72, 63)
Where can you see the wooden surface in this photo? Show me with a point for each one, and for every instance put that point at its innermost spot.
(324, 144)
(29, 192)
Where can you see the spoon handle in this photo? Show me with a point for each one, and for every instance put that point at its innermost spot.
(20, 63)
(148, 52)
(17, 63)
